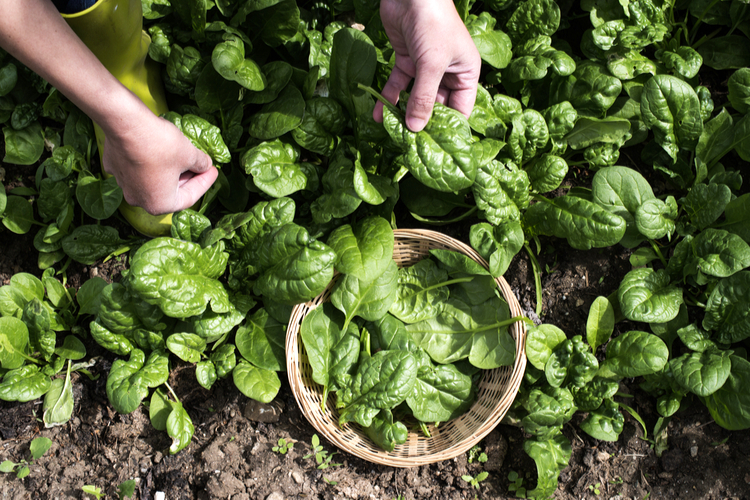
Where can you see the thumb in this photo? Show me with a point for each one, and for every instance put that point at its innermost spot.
(202, 163)
(192, 187)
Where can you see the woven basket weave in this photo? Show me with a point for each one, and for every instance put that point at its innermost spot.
(496, 390)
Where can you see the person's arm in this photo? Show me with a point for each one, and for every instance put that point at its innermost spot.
(157, 167)
(434, 49)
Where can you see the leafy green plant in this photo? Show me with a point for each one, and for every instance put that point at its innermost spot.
(476, 454)
(515, 485)
(474, 481)
(126, 489)
(38, 447)
(322, 457)
(283, 446)
(92, 490)
(594, 488)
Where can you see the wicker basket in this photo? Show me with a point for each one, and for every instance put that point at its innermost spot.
(496, 392)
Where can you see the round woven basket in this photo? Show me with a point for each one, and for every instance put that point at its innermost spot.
(496, 390)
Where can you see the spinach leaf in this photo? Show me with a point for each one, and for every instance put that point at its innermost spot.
(671, 108)
(332, 351)
(646, 295)
(702, 373)
(24, 384)
(441, 155)
(180, 277)
(260, 340)
(363, 250)
(497, 244)
(294, 266)
(278, 117)
(605, 423)
(381, 382)
(493, 45)
(501, 192)
(461, 330)
(275, 168)
(369, 300)
(635, 353)
(730, 405)
(422, 291)
(726, 310)
(385, 432)
(256, 383)
(583, 223)
(228, 59)
(600, 323)
(128, 381)
(541, 341)
(440, 393)
(353, 61)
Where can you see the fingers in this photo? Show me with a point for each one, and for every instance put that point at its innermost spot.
(398, 80)
(423, 95)
(191, 189)
(463, 100)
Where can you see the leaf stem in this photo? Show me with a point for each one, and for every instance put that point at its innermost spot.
(172, 391)
(658, 252)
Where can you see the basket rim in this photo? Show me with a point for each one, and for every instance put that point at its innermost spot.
(329, 428)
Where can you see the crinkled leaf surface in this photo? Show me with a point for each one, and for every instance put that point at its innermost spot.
(180, 277)
(364, 249)
(646, 295)
(635, 353)
(261, 339)
(702, 373)
(421, 292)
(439, 393)
(727, 312)
(256, 383)
(461, 330)
(730, 405)
(440, 155)
(368, 300)
(541, 340)
(671, 109)
(294, 266)
(584, 224)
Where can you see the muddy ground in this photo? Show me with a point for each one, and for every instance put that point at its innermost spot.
(231, 453)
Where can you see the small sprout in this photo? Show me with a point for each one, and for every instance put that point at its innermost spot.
(474, 481)
(330, 481)
(322, 457)
(126, 489)
(616, 480)
(38, 447)
(93, 490)
(516, 484)
(283, 446)
(594, 488)
(476, 454)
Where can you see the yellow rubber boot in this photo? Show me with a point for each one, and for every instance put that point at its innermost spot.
(113, 31)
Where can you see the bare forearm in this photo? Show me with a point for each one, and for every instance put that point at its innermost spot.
(35, 33)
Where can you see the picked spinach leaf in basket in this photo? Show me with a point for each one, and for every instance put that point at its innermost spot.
(406, 347)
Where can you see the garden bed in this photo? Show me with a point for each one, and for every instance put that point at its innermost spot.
(232, 455)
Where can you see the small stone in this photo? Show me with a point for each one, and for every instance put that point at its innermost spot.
(160, 495)
(157, 457)
(693, 451)
(616, 497)
(275, 496)
(579, 302)
(298, 478)
(232, 413)
(262, 412)
(602, 456)
(665, 475)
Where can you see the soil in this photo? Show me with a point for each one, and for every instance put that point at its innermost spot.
(231, 452)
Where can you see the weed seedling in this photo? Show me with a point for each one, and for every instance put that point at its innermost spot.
(92, 490)
(616, 481)
(283, 446)
(126, 489)
(476, 454)
(594, 488)
(474, 481)
(38, 447)
(322, 457)
(516, 484)
(330, 481)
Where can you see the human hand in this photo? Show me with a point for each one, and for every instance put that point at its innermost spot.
(157, 167)
(434, 48)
